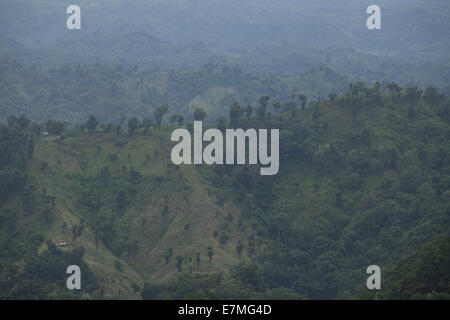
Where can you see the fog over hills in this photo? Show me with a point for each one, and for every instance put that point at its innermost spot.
(409, 28)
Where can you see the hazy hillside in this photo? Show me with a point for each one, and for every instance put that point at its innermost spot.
(86, 176)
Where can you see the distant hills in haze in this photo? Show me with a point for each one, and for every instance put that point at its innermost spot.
(285, 36)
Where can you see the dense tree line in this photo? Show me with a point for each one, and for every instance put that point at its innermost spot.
(364, 177)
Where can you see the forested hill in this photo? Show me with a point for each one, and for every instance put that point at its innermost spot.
(364, 179)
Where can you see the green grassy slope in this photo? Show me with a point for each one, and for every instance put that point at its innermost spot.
(186, 225)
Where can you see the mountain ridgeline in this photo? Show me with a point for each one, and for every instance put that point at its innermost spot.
(364, 179)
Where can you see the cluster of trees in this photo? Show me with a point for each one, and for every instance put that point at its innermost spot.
(243, 281)
(43, 275)
(179, 259)
(103, 199)
(16, 150)
(40, 275)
